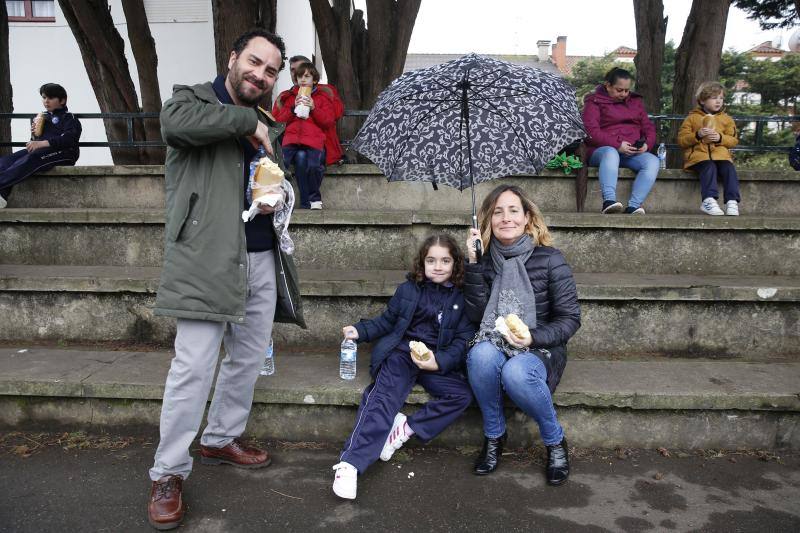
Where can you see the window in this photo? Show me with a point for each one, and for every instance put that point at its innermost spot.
(31, 10)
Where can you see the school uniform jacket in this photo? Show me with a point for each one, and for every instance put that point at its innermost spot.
(388, 330)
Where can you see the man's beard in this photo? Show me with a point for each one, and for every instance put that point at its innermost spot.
(237, 79)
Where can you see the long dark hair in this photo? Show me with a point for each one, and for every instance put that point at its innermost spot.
(445, 241)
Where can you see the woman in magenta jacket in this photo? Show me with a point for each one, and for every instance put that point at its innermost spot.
(620, 135)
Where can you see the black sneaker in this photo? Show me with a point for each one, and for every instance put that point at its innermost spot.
(611, 206)
(634, 210)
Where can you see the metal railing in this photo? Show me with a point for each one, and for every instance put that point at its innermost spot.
(659, 120)
(130, 142)
(740, 120)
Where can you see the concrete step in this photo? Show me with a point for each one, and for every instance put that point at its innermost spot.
(363, 186)
(382, 240)
(600, 403)
(625, 316)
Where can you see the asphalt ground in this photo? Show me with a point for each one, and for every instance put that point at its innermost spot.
(74, 482)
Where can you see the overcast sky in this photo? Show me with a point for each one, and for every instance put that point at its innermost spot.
(591, 27)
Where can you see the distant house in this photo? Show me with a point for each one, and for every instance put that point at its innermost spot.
(565, 63)
(762, 52)
(550, 59)
(417, 61)
(766, 52)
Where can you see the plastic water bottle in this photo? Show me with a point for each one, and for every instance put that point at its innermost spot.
(347, 359)
(260, 154)
(662, 156)
(268, 368)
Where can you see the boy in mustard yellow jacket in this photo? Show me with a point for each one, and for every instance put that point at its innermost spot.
(706, 136)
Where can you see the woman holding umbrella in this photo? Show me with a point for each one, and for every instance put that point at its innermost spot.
(519, 273)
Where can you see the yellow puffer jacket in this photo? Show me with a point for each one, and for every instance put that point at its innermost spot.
(694, 150)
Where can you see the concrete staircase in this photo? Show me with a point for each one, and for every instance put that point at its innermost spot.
(691, 323)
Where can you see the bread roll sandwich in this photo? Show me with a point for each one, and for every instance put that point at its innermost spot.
(709, 121)
(267, 174)
(419, 351)
(304, 91)
(517, 326)
(38, 124)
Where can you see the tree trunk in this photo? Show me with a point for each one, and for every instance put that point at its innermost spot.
(6, 93)
(651, 29)
(234, 17)
(700, 52)
(362, 60)
(144, 53)
(103, 52)
(697, 59)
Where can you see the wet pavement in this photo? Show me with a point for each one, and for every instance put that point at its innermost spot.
(77, 483)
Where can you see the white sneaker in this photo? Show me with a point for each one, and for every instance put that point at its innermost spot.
(316, 205)
(732, 208)
(397, 437)
(711, 207)
(346, 481)
(3, 202)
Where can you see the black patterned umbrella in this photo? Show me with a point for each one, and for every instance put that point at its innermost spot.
(469, 120)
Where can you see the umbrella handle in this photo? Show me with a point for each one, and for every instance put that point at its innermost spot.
(478, 244)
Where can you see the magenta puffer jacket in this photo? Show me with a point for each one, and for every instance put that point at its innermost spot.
(609, 122)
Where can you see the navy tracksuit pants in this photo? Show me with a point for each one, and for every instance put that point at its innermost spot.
(19, 165)
(382, 400)
(709, 171)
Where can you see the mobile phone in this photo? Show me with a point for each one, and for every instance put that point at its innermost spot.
(638, 144)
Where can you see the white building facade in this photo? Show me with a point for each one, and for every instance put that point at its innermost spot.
(42, 51)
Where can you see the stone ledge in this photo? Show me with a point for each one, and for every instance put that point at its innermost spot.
(371, 170)
(312, 379)
(382, 283)
(350, 218)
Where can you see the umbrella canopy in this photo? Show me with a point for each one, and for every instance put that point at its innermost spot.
(469, 120)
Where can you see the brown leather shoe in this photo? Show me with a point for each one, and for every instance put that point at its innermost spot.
(165, 509)
(236, 454)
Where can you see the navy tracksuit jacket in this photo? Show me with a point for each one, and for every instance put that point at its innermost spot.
(63, 131)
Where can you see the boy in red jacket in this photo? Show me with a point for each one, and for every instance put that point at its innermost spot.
(304, 139)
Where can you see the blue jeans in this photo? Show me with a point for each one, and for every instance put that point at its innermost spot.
(308, 168)
(609, 160)
(524, 379)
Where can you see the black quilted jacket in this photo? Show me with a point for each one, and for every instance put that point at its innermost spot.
(558, 315)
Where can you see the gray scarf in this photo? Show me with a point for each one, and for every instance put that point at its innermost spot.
(511, 291)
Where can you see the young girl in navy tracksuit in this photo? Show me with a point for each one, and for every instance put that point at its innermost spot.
(429, 307)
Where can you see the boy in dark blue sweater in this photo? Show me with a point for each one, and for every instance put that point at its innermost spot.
(54, 142)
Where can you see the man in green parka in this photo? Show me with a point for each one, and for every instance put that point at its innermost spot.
(222, 279)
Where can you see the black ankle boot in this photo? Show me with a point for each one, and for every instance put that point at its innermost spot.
(489, 458)
(557, 463)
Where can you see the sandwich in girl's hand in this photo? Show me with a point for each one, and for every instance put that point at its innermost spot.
(419, 351)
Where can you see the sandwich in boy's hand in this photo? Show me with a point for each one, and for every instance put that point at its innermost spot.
(419, 351)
